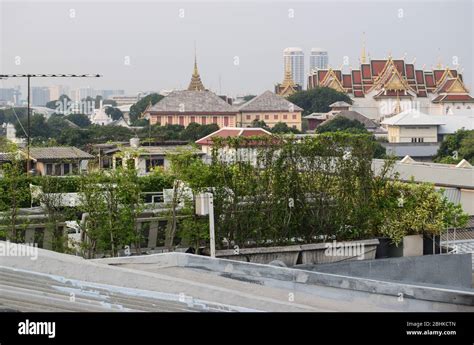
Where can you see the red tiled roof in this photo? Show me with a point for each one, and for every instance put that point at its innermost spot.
(347, 80)
(400, 64)
(438, 74)
(233, 133)
(410, 71)
(420, 77)
(429, 80)
(377, 66)
(356, 77)
(366, 74)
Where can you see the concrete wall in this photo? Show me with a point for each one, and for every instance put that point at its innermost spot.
(445, 269)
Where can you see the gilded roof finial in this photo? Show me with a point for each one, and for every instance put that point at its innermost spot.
(363, 54)
(196, 83)
(439, 65)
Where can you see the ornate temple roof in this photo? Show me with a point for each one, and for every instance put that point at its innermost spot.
(288, 86)
(394, 78)
(196, 83)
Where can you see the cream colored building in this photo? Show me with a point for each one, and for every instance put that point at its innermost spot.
(412, 126)
(271, 108)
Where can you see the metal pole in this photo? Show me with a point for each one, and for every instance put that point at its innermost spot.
(211, 225)
(29, 131)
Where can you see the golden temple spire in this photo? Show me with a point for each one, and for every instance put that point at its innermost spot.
(363, 56)
(196, 83)
(288, 80)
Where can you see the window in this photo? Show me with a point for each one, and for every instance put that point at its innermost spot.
(154, 162)
(214, 119)
(66, 168)
(158, 120)
(285, 117)
(294, 116)
(49, 169)
(226, 121)
(203, 120)
(257, 117)
(57, 169)
(275, 117)
(118, 163)
(248, 117)
(181, 120)
(267, 117)
(193, 119)
(170, 120)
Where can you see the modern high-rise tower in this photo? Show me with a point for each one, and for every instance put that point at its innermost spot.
(318, 59)
(295, 58)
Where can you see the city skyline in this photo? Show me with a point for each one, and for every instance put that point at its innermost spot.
(231, 59)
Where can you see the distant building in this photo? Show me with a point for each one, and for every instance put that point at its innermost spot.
(416, 127)
(125, 100)
(185, 107)
(270, 108)
(58, 161)
(247, 152)
(412, 126)
(294, 57)
(206, 142)
(318, 59)
(57, 91)
(39, 96)
(8, 95)
(107, 94)
(369, 124)
(146, 158)
(100, 117)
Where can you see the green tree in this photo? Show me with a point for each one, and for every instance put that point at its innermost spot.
(81, 120)
(195, 131)
(340, 123)
(259, 124)
(317, 100)
(114, 113)
(282, 127)
(455, 147)
(138, 108)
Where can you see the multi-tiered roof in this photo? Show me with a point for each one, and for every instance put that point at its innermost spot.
(394, 78)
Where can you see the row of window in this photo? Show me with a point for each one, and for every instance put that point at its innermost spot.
(61, 169)
(203, 120)
(417, 140)
(275, 117)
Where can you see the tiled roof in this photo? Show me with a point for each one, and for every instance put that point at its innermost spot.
(354, 115)
(160, 150)
(232, 133)
(413, 117)
(192, 101)
(60, 152)
(269, 101)
(340, 104)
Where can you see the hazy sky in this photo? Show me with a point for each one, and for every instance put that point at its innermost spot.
(158, 39)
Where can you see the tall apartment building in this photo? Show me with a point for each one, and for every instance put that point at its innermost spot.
(294, 58)
(318, 59)
(40, 96)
